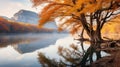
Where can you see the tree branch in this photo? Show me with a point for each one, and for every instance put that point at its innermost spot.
(84, 23)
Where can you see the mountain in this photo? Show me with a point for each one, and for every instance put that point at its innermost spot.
(30, 17)
(26, 16)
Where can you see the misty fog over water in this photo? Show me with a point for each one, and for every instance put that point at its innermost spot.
(21, 50)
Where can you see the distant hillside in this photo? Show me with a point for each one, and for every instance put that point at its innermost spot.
(26, 16)
(7, 26)
(30, 17)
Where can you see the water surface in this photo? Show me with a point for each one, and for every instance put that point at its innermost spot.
(22, 50)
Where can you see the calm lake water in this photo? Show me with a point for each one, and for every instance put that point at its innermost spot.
(22, 50)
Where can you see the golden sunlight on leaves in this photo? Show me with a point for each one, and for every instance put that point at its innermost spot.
(45, 17)
(112, 28)
(77, 7)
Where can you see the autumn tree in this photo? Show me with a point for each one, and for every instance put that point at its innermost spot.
(89, 14)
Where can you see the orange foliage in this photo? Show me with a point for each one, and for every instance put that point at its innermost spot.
(45, 17)
(74, 9)
(112, 30)
(7, 26)
(3, 24)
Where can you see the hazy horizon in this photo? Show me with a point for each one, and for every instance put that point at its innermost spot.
(9, 7)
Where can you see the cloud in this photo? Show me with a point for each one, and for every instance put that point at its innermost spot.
(9, 7)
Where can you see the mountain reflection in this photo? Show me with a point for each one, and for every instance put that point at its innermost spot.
(5, 41)
(14, 41)
(28, 43)
(21, 50)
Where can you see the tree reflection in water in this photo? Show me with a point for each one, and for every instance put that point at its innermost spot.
(93, 56)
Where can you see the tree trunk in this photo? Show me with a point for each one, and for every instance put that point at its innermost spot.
(95, 39)
(95, 36)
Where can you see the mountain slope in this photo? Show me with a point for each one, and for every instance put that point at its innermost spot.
(26, 16)
(31, 17)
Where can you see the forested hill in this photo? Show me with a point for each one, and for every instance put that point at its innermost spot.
(8, 26)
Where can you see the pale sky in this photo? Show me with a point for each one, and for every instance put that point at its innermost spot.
(9, 7)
